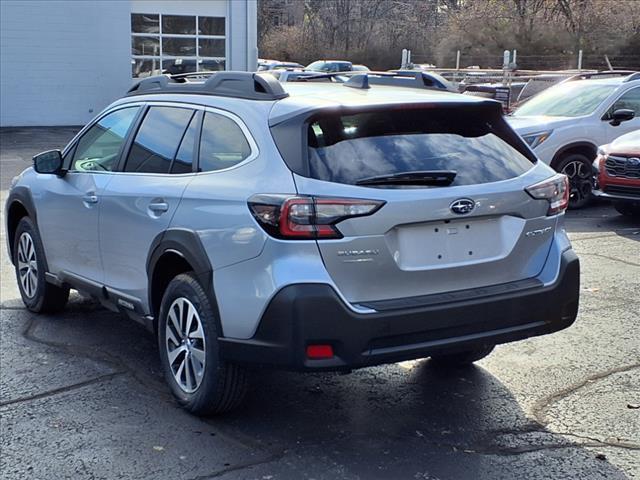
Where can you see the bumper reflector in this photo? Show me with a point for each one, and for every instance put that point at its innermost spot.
(316, 352)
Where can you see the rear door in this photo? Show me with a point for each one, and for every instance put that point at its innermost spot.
(483, 229)
(139, 202)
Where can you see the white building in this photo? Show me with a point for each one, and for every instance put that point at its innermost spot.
(61, 62)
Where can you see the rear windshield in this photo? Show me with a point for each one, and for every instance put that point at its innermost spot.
(351, 148)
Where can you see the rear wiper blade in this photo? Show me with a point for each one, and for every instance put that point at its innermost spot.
(436, 178)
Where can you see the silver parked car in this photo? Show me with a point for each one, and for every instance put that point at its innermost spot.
(307, 226)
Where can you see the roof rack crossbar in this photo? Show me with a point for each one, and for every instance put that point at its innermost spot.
(304, 78)
(423, 80)
(246, 85)
(177, 76)
(358, 81)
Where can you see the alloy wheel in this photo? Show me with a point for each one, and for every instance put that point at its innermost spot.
(579, 175)
(185, 344)
(27, 265)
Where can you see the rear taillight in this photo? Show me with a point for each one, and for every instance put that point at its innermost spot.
(303, 217)
(555, 190)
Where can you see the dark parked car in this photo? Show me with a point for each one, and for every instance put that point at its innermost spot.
(330, 66)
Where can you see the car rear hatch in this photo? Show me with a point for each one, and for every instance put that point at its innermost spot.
(453, 212)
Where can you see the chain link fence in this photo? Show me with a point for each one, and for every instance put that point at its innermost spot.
(536, 62)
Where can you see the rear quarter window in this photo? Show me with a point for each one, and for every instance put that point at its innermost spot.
(349, 148)
(222, 144)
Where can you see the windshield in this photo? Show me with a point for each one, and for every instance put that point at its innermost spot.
(566, 100)
(350, 148)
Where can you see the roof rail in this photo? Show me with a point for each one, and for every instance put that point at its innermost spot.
(398, 78)
(246, 85)
(603, 73)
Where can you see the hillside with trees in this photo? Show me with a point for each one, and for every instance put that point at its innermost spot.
(546, 33)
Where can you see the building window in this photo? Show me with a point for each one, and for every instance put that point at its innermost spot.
(176, 44)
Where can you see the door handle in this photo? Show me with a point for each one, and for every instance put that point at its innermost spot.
(90, 198)
(159, 207)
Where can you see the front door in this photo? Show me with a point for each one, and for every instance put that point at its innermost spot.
(629, 100)
(69, 207)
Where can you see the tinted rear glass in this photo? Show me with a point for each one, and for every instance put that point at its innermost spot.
(349, 148)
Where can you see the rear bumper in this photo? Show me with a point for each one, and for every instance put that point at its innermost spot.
(305, 314)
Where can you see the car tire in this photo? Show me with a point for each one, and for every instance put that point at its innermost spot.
(38, 295)
(200, 380)
(461, 359)
(628, 209)
(577, 168)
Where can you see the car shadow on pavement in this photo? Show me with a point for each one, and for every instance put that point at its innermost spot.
(407, 420)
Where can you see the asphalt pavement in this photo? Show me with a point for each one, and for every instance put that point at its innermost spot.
(82, 396)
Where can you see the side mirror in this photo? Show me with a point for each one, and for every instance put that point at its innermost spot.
(49, 162)
(621, 115)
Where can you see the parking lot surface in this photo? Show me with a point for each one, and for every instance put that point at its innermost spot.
(82, 397)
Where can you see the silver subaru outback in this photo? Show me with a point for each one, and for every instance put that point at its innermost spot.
(307, 225)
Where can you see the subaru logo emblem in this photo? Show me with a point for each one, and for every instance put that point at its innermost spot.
(462, 206)
(633, 162)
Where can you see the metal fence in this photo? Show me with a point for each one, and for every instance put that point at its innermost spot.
(537, 62)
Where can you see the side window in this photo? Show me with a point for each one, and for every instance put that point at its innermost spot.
(157, 140)
(222, 143)
(630, 100)
(99, 147)
(184, 158)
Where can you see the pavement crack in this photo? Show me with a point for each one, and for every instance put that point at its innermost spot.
(607, 257)
(624, 445)
(616, 233)
(520, 450)
(241, 466)
(489, 448)
(541, 406)
(66, 388)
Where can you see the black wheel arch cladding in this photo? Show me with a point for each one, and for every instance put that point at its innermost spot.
(186, 244)
(19, 198)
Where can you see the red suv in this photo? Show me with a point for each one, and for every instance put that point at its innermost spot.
(617, 173)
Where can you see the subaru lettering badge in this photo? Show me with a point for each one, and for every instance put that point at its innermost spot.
(462, 206)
